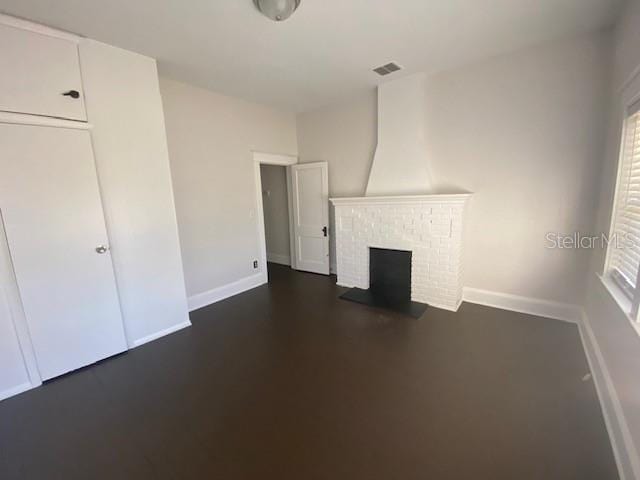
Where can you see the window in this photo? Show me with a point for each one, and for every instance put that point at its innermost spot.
(624, 249)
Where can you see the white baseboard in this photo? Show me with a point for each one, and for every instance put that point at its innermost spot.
(161, 333)
(533, 306)
(446, 307)
(23, 387)
(279, 258)
(212, 296)
(624, 450)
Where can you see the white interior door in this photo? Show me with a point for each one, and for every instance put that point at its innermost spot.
(310, 184)
(54, 224)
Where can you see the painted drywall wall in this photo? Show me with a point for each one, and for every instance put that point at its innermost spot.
(627, 43)
(124, 105)
(617, 340)
(211, 138)
(523, 132)
(276, 213)
(343, 135)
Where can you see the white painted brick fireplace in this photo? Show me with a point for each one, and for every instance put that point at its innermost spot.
(395, 214)
(429, 226)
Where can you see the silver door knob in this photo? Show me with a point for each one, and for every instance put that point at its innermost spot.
(102, 249)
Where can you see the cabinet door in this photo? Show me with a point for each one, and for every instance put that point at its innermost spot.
(35, 73)
(52, 213)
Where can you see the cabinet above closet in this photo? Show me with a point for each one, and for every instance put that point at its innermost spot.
(45, 74)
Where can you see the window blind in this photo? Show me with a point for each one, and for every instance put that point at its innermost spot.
(625, 253)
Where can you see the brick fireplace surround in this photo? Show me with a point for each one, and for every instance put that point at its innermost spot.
(430, 226)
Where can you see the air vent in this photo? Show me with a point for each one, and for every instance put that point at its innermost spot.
(387, 69)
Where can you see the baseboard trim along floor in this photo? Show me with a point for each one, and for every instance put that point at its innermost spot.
(516, 303)
(279, 259)
(16, 390)
(161, 333)
(624, 450)
(229, 290)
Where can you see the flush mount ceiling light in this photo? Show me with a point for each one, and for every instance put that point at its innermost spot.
(277, 10)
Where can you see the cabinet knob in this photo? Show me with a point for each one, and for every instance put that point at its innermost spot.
(72, 94)
(101, 249)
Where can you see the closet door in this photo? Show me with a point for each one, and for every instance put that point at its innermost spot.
(52, 213)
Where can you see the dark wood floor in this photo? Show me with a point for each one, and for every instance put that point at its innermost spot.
(289, 382)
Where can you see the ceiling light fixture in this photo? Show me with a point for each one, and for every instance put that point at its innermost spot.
(277, 10)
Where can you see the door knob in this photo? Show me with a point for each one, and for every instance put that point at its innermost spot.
(102, 249)
(324, 231)
(72, 94)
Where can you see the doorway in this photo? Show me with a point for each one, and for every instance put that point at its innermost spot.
(284, 162)
(275, 205)
(307, 213)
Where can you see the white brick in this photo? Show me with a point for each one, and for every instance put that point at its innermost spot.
(432, 232)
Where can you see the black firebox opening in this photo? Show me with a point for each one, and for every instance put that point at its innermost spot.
(389, 283)
(390, 275)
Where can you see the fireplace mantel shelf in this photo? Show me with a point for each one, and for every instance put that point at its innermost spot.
(456, 198)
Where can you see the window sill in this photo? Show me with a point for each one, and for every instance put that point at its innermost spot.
(621, 299)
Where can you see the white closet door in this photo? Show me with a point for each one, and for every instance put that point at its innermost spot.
(13, 373)
(51, 209)
(310, 183)
(40, 75)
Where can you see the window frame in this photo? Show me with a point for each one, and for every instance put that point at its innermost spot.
(630, 97)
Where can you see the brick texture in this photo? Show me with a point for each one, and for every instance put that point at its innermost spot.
(431, 231)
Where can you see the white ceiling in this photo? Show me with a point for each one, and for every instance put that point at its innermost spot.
(325, 50)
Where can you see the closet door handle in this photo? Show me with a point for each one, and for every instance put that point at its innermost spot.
(72, 94)
(102, 249)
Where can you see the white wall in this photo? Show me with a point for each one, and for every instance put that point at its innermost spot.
(627, 43)
(522, 131)
(123, 102)
(276, 213)
(210, 142)
(616, 339)
(343, 135)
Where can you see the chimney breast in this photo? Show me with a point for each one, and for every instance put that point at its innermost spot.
(400, 161)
